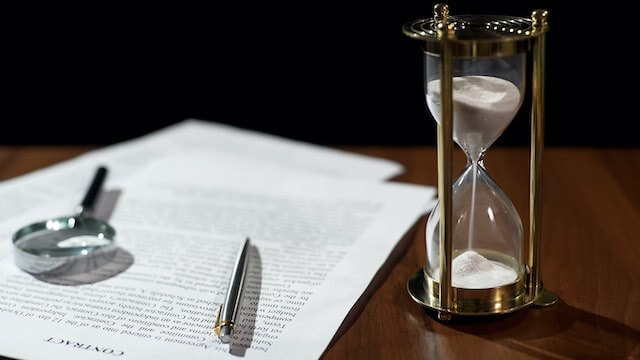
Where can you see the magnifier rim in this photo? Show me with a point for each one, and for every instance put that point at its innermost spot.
(108, 232)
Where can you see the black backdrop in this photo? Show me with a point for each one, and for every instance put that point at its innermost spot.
(330, 73)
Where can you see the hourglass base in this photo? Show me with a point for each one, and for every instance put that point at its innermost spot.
(475, 302)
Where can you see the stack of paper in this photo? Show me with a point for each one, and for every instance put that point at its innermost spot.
(183, 198)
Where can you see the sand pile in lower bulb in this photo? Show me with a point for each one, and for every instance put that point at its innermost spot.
(473, 271)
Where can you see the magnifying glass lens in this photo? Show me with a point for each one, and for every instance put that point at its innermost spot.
(65, 237)
(51, 244)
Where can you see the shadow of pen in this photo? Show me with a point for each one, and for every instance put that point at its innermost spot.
(248, 310)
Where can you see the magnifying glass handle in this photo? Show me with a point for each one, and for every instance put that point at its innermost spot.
(86, 206)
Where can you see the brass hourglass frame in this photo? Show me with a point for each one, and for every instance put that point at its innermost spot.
(450, 37)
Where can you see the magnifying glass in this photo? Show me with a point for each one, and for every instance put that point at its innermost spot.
(47, 245)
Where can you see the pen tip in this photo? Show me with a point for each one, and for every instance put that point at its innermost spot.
(225, 334)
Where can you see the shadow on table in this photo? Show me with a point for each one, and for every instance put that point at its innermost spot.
(93, 268)
(575, 333)
(248, 306)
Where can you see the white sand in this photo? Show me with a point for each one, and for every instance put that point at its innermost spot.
(483, 106)
(473, 271)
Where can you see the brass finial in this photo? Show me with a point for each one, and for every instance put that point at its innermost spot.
(441, 20)
(539, 18)
(440, 12)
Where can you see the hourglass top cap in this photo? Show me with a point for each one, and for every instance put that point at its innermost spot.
(478, 35)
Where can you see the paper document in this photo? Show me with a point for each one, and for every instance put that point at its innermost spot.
(318, 241)
(69, 179)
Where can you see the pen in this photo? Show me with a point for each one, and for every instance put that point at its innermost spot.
(226, 322)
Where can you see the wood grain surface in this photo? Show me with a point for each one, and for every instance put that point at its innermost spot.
(590, 258)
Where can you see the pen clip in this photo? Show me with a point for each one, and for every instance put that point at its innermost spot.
(216, 329)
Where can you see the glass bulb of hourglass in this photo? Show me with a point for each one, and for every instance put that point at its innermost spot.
(487, 230)
(483, 107)
(487, 234)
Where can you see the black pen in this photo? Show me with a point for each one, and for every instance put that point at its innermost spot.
(226, 322)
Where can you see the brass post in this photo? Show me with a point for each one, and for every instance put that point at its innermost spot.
(445, 163)
(539, 18)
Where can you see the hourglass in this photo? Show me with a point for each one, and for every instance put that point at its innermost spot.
(475, 71)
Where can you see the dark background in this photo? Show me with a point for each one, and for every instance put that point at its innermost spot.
(329, 73)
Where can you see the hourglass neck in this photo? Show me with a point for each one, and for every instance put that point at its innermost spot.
(476, 156)
(474, 145)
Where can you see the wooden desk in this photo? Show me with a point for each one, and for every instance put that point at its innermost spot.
(590, 256)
